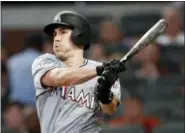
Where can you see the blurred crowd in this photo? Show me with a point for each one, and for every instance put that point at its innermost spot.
(152, 86)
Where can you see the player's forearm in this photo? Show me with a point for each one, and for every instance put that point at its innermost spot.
(74, 76)
(110, 108)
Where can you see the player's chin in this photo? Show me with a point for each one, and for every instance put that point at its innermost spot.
(60, 55)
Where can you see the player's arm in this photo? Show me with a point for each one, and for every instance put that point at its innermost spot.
(111, 107)
(108, 100)
(47, 72)
(67, 76)
(70, 76)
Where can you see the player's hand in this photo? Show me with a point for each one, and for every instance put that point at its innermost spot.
(114, 65)
(104, 85)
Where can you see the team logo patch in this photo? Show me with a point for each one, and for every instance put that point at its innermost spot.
(48, 63)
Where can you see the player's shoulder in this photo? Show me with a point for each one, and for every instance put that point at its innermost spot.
(43, 57)
(46, 56)
(94, 63)
(43, 60)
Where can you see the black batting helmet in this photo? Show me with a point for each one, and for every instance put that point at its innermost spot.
(81, 33)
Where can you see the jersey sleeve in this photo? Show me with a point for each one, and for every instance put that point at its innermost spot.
(116, 89)
(40, 66)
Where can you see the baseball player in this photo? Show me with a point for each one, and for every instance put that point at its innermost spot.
(72, 91)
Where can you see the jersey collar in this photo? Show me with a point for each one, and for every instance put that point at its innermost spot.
(85, 63)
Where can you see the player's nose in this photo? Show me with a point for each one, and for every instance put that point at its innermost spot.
(56, 43)
(57, 38)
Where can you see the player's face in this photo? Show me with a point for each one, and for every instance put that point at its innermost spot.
(62, 42)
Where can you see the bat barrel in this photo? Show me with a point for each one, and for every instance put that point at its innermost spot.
(146, 39)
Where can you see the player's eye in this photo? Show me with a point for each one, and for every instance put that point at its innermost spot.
(54, 34)
(63, 31)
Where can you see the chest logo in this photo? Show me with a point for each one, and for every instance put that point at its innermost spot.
(84, 99)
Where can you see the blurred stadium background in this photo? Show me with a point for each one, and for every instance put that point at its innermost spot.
(152, 88)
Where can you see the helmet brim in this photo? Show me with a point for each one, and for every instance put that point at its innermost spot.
(49, 29)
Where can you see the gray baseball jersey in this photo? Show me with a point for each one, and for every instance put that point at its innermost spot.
(67, 109)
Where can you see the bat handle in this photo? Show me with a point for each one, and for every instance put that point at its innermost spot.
(124, 59)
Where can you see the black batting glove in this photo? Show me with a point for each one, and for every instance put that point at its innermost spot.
(114, 65)
(117, 66)
(104, 84)
(100, 69)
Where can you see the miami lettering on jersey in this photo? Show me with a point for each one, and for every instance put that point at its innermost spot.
(87, 100)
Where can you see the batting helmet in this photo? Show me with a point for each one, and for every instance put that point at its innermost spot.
(81, 33)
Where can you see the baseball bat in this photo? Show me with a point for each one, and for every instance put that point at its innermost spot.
(146, 39)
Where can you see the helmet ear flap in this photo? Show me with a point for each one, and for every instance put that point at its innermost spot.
(74, 35)
(80, 38)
